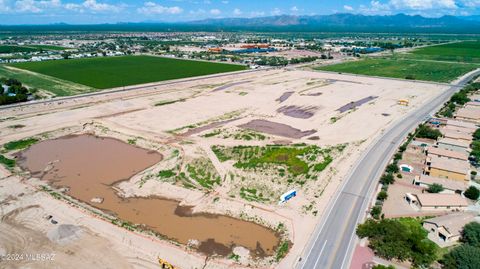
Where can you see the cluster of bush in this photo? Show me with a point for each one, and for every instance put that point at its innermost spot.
(475, 153)
(405, 239)
(402, 239)
(303, 60)
(12, 91)
(425, 131)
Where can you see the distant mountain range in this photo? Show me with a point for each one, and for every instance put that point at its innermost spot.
(318, 23)
(349, 22)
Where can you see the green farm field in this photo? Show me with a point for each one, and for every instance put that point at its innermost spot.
(403, 68)
(110, 72)
(466, 51)
(54, 86)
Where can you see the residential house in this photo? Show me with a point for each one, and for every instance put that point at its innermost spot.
(448, 154)
(468, 114)
(452, 134)
(446, 230)
(436, 201)
(454, 144)
(469, 131)
(449, 186)
(447, 168)
(462, 124)
(422, 142)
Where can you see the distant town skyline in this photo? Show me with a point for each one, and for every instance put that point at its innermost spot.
(113, 11)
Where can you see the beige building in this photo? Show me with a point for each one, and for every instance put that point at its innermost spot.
(469, 114)
(452, 134)
(462, 124)
(435, 202)
(450, 186)
(447, 154)
(453, 144)
(449, 169)
(446, 230)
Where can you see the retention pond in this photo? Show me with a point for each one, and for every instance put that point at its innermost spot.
(90, 167)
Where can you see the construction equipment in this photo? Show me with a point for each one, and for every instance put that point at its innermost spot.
(166, 265)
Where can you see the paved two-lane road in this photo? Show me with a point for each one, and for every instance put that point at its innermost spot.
(332, 242)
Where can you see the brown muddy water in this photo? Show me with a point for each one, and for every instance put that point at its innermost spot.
(91, 166)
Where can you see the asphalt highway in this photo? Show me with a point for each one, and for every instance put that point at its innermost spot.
(332, 243)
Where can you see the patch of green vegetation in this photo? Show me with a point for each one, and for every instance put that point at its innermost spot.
(212, 133)
(47, 47)
(279, 155)
(425, 131)
(246, 135)
(27, 48)
(16, 126)
(166, 173)
(20, 144)
(132, 141)
(14, 49)
(282, 250)
(218, 150)
(252, 195)
(203, 175)
(9, 163)
(249, 135)
(125, 70)
(403, 68)
(296, 159)
(242, 93)
(234, 257)
(319, 167)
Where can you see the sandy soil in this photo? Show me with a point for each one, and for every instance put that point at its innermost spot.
(130, 115)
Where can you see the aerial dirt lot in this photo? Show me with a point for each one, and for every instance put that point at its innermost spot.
(191, 172)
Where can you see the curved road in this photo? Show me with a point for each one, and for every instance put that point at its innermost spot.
(332, 241)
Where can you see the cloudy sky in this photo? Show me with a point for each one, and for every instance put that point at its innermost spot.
(112, 11)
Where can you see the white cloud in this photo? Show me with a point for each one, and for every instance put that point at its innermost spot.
(225, 2)
(294, 9)
(237, 12)
(471, 3)
(93, 6)
(215, 11)
(154, 8)
(423, 4)
(276, 11)
(32, 6)
(257, 14)
(4, 7)
(348, 8)
(197, 12)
